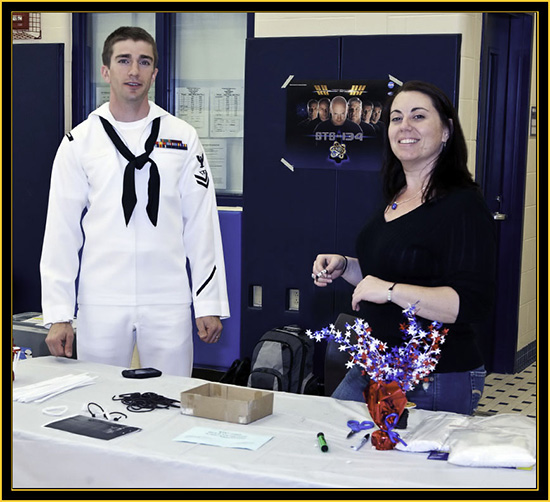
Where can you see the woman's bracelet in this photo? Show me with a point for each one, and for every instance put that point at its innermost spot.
(345, 264)
(390, 291)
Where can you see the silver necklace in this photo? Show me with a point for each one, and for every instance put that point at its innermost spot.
(395, 203)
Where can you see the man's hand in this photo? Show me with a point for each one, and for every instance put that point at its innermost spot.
(60, 339)
(210, 328)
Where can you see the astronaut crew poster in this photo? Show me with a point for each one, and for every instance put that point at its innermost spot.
(336, 124)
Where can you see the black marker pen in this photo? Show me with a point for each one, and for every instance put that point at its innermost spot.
(322, 441)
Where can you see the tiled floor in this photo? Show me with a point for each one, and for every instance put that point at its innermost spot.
(510, 393)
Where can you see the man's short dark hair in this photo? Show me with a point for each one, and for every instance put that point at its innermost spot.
(127, 33)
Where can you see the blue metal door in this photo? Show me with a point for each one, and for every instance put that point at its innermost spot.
(290, 216)
(286, 214)
(38, 94)
(501, 169)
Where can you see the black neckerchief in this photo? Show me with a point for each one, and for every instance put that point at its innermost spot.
(129, 198)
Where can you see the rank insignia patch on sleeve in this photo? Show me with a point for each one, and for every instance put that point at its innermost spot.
(202, 176)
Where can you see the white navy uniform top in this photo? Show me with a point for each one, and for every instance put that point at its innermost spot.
(138, 263)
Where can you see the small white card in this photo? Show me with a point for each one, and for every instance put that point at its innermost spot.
(227, 439)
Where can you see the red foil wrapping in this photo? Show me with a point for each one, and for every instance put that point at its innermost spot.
(381, 440)
(382, 400)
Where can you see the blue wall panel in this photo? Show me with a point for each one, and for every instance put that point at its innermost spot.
(222, 354)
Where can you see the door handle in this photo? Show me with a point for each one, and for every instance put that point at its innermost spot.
(499, 216)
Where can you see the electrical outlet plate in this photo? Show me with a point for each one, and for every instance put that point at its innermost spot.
(294, 299)
(257, 296)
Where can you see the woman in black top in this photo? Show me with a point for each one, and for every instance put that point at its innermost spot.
(433, 243)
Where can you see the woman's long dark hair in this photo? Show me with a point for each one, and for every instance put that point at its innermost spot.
(450, 170)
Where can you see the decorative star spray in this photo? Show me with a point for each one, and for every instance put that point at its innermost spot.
(407, 364)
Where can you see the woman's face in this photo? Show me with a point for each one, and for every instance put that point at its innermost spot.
(415, 131)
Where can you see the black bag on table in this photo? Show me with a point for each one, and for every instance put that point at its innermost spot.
(283, 360)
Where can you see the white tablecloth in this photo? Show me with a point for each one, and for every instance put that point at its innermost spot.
(48, 458)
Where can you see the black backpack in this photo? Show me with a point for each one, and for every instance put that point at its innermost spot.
(238, 373)
(283, 360)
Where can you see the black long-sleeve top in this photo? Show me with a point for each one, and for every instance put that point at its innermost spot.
(447, 242)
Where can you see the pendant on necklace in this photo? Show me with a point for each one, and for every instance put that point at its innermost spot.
(394, 206)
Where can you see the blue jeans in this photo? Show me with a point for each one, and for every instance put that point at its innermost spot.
(457, 392)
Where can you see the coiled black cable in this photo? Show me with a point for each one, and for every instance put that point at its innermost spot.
(148, 401)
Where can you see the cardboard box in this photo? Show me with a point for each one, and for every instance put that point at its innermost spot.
(240, 405)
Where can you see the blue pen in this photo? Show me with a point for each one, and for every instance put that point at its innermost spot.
(362, 443)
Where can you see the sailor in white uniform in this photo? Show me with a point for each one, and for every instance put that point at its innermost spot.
(131, 203)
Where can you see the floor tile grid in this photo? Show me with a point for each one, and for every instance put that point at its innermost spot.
(510, 393)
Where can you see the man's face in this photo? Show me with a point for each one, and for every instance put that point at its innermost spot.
(338, 113)
(323, 110)
(312, 111)
(131, 72)
(367, 113)
(376, 114)
(354, 113)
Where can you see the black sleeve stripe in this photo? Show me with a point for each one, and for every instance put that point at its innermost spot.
(207, 281)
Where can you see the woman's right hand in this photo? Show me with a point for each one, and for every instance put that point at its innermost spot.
(326, 268)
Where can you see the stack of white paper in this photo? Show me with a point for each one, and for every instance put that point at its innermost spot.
(41, 391)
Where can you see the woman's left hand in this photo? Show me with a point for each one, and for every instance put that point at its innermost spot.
(370, 289)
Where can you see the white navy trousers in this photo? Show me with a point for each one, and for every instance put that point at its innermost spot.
(163, 335)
